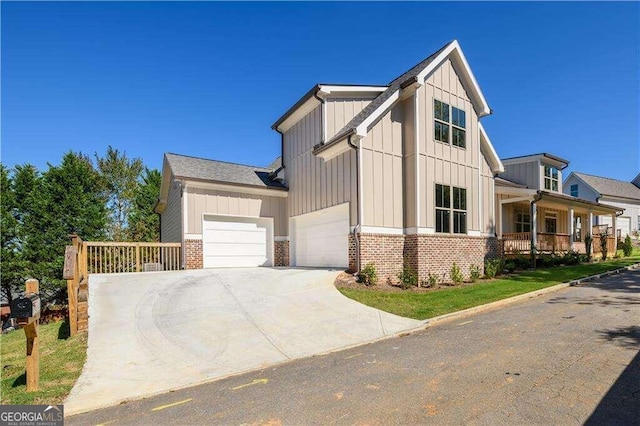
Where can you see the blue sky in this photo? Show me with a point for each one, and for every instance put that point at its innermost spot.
(208, 79)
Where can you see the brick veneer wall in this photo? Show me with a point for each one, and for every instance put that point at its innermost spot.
(425, 254)
(281, 253)
(193, 254)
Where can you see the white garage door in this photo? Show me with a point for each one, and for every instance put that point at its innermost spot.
(236, 242)
(321, 238)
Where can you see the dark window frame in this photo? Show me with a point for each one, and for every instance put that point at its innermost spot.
(451, 210)
(449, 124)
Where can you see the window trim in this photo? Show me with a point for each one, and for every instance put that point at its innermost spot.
(524, 212)
(449, 124)
(451, 210)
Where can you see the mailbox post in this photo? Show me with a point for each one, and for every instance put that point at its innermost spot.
(27, 311)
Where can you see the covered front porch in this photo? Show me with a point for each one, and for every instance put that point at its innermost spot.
(550, 223)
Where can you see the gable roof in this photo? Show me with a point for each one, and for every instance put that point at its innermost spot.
(416, 74)
(203, 169)
(561, 162)
(608, 186)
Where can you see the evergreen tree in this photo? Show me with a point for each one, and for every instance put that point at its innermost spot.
(144, 223)
(120, 176)
(68, 199)
(10, 259)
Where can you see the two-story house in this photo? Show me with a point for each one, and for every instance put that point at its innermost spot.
(621, 194)
(534, 212)
(396, 174)
(401, 174)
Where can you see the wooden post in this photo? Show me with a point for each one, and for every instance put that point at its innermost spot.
(33, 344)
(137, 257)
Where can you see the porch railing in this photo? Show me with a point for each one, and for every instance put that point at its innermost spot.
(118, 257)
(520, 242)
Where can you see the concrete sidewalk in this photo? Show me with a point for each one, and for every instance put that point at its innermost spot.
(153, 332)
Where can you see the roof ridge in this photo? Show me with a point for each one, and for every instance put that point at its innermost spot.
(218, 161)
(603, 177)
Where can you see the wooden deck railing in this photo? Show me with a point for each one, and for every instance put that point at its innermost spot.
(114, 257)
(520, 242)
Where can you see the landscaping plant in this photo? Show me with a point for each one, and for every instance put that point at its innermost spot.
(408, 277)
(627, 247)
(603, 245)
(368, 275)
(456, 274)
(474, 273)
(588, 241)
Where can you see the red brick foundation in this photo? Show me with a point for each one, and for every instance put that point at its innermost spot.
(281, 253)
(193, 254)
(425, 254)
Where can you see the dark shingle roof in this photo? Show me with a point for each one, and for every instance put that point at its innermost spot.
(402, 81)
(611, 187)
(219, 171)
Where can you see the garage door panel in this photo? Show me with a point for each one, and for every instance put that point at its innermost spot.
(235, 242)
(321, 238)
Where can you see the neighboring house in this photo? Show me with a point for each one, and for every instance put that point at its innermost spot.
(534, 212)
(624, 195)
(396, 174)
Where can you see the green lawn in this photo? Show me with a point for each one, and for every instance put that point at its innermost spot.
(61, 361)
(438, 302)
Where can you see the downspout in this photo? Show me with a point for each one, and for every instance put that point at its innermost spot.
(182, 231)
(534, 227)
(322, 114)
(358, 224)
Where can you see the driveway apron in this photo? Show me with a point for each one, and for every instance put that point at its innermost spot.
(153, 332)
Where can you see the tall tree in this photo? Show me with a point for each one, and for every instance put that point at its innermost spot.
(10, 259)
(70, 199)
(144, 223)
(120, 175)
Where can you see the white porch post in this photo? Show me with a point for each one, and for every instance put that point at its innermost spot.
(570, 227)
(590, 230)
(613, 225)
(534, 227)
(500, 225)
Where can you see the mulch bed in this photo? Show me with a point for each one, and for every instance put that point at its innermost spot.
(346, 280)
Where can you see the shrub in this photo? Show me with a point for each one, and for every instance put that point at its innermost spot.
(627, 247)
(509, 265)
(588, 241)
(432, 279)
(456, 274)
(368, 275)
(522, 262)
(474, 273)
(408, 277)
(603, 245)
(572, 258)
(493, 267)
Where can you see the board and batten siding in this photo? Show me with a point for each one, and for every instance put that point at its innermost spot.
(526, 173)
(584, 191)
(340, 110)
(313, 183)
(208, 201)
(382, 171)
(488, 196)
(171, 218)
(442, 163)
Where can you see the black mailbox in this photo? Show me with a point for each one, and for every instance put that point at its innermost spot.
(27, 306)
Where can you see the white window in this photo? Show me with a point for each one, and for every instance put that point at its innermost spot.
(523, 220)
(550, 178)
(449, 124)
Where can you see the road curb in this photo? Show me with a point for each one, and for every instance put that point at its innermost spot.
(504, 302)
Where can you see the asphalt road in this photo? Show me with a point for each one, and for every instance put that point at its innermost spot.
(569, 357)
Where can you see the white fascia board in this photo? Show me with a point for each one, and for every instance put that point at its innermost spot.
(518, 192)
(326, 89)
(485, 142)
(583, 181)
(304, 109)
(381, 230)
(456, 52)
(361, 130)
(237, 188)
(334, 150)
(165, 185)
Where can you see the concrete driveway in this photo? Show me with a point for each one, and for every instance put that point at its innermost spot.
(153, 332)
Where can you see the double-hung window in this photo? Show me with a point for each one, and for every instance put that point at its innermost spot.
(451, 209)
(449, 124)
(550, 178)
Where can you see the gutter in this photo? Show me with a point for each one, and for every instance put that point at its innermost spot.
(322, 106)
(358, 224)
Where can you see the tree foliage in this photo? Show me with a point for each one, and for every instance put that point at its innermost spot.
(120, 176)
(112, 199)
